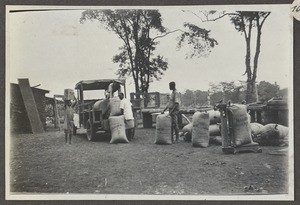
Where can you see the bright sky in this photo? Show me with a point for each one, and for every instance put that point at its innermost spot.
(53, 49)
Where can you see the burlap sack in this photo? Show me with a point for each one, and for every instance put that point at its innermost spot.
(117, 128)
(200, 132)
(163, 129)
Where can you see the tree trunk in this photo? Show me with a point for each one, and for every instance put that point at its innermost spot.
(251, 93)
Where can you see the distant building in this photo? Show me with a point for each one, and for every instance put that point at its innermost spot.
(18, 115)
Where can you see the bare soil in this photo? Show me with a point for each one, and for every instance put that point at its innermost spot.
(43, 163)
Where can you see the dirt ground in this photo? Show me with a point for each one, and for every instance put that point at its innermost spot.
(43, 163)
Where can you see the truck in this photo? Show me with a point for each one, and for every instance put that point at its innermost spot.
(93, 113)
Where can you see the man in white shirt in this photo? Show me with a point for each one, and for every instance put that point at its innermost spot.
(126, 110)
(173, 110)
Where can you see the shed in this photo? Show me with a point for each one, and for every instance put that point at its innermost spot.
(18, 116)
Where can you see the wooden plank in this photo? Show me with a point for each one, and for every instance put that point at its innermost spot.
(57, 118)
(30, 105)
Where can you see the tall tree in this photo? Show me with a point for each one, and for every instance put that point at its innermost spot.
(139, 30)
(134, 27)
(248, 23)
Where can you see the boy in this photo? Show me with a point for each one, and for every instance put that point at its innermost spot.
(69, 119)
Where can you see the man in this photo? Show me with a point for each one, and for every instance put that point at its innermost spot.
(173, 110)
(126, 110)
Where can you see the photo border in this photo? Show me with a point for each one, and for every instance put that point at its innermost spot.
(296, 50)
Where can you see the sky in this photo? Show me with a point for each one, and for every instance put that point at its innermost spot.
(53, 49)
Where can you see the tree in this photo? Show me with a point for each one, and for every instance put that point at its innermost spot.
(192, 98)
(198, 39)
(201, 97)
(227, 91)
(188, 98)
(133, 27)
(245, 22)
(266, 91)
(139, 31)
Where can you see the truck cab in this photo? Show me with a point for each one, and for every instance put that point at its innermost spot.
(94, 112)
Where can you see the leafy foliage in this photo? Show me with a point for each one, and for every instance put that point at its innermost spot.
(134, 28)
(266, 91)
(229, 90)
(198, 39)
(188, 98)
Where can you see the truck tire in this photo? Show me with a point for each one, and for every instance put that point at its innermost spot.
(90, 131)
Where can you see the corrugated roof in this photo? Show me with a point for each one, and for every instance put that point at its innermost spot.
(35, 88)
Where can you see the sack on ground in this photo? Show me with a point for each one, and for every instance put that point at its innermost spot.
(114, 104)
(187, 137)
(117, 128)
(188, 128)
(214, 130)
(240, 125)
(163, 129)
(256, 128)
(273, 135)
(200, 132)
(214, 117)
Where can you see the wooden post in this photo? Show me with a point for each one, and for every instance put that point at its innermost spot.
(57, 118)
(55, 113)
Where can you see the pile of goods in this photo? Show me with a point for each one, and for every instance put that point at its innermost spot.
(209, 124)
(116, 122)
(270, 134)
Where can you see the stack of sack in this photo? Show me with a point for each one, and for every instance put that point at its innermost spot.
(270, 134)
(116, 122)
(214, 131)
(215, 127)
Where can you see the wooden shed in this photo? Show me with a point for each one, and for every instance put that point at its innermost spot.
(18, 116)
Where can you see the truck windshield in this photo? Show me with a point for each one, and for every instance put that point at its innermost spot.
(93, 94)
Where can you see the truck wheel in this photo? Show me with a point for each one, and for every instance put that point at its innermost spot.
(90, 131)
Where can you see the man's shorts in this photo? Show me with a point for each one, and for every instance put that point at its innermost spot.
(129, 124)
(174, 116)
(174, 119)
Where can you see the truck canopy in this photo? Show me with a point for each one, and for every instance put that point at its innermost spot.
(97, 84)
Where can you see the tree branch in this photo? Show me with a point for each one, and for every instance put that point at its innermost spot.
(264, 19)
(167, 33)
(219, 17)
(194, 14)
